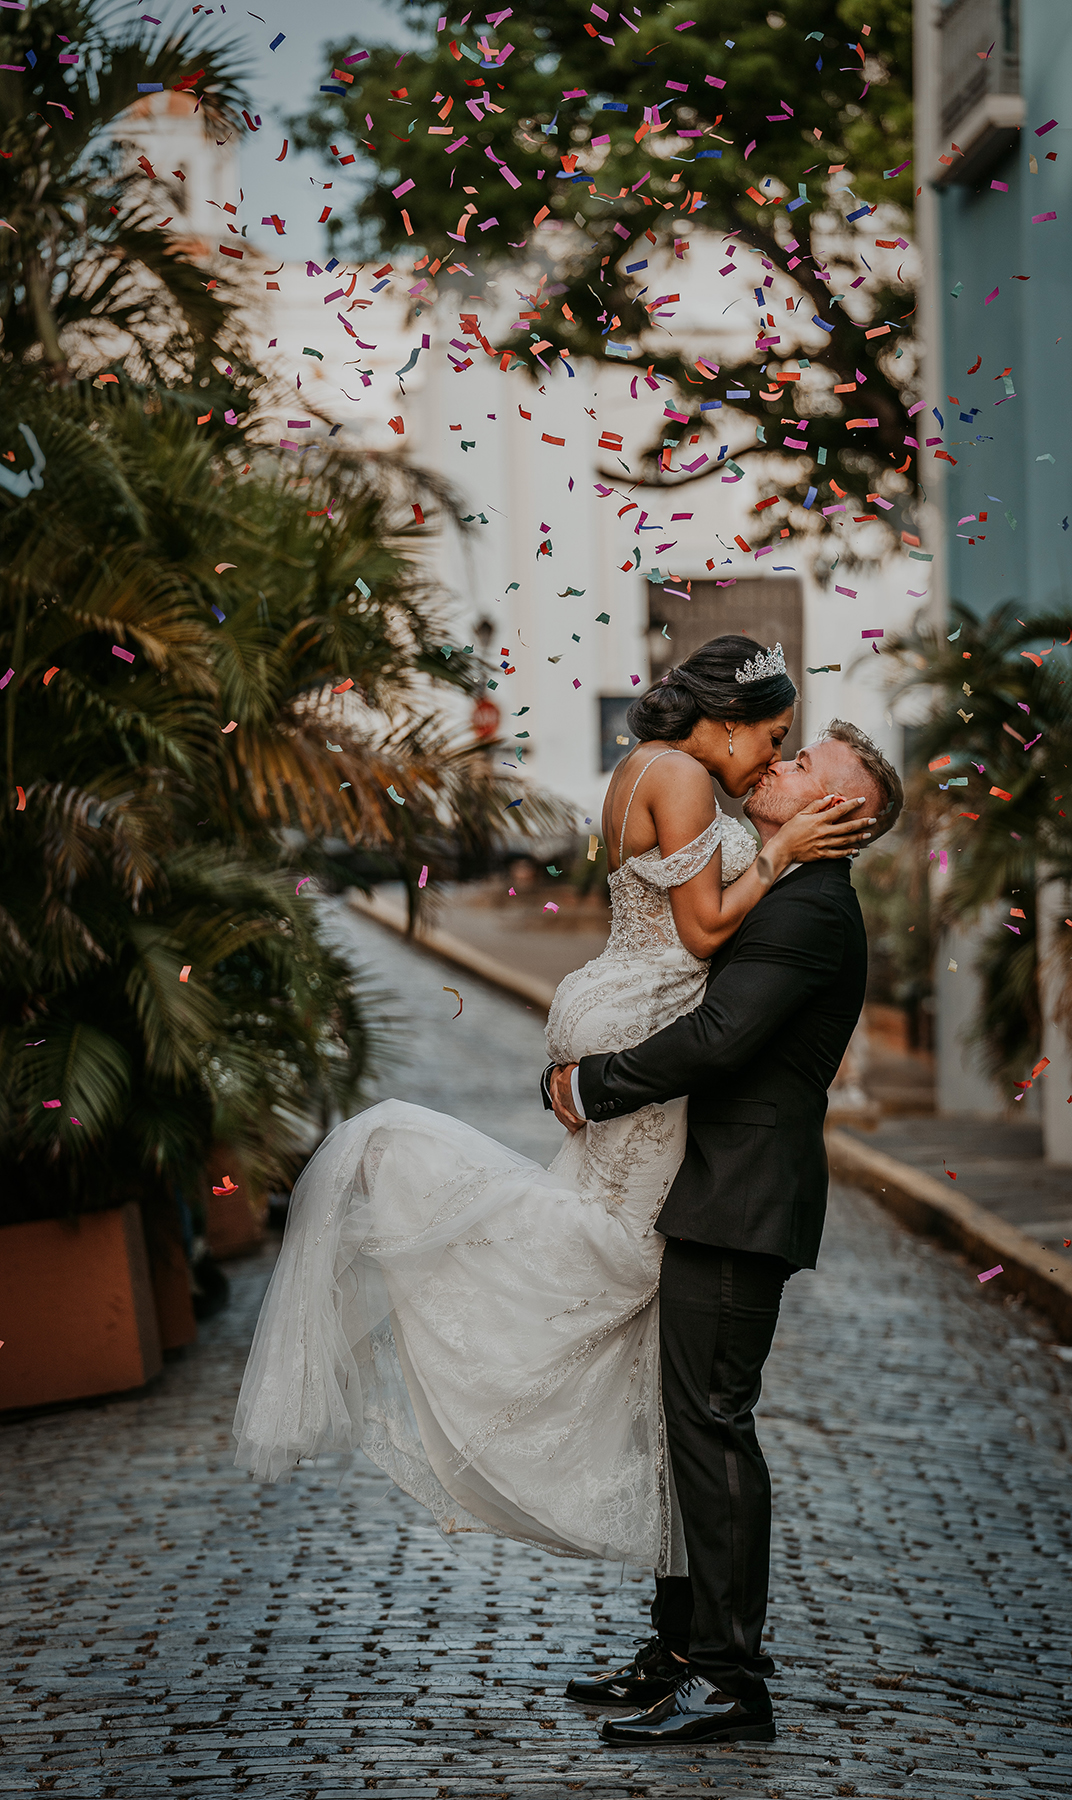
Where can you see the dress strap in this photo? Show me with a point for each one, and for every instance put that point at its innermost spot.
(636, 784)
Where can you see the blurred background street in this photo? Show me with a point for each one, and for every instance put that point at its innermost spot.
(177, 1628)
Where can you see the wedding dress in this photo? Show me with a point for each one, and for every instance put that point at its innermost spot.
(485, 1329)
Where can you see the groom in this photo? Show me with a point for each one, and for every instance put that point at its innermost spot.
(744, 1212)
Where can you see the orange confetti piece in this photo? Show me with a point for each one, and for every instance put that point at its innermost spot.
(184, 972)
(458, 998)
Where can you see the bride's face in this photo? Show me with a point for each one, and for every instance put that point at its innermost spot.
(755, 748)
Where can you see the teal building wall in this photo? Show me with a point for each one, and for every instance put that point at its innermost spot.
(986, 239)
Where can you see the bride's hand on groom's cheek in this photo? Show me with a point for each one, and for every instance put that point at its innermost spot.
(562, 1098)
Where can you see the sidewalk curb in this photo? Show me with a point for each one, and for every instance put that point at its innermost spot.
(919, 1201)
(453, 949)
(926, 1207)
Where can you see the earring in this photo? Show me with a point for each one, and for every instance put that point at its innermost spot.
(731, 740)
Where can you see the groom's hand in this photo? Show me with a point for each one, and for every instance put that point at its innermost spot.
(562, 1098)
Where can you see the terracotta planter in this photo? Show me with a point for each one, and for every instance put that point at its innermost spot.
(76, 1309)
(234, 1222)
(172, 1297)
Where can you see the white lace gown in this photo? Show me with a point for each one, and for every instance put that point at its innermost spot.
(485, 1329)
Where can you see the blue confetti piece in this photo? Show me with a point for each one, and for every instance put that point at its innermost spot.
(815, 319)
(150, 87)
(862, 212)
(276, 41)
(220, 615)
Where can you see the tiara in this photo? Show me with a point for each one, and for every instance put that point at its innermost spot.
(762, 667)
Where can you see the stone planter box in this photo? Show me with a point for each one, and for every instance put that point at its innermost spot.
(76, 1309)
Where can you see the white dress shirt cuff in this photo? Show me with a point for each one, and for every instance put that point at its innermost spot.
(575, 1090)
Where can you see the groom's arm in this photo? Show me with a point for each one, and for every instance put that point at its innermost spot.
(785, 954)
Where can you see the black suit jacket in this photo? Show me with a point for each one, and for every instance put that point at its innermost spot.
(755, 1059)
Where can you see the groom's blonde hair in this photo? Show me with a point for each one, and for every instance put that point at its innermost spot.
(879, 767)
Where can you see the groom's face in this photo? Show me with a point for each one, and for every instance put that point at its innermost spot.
(826, 768)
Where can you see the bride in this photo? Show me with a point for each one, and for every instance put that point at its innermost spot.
(486, 1329)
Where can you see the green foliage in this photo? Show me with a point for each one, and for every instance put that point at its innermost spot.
(665, 187)
(891, 881)
(85, 275)
(149, 838)
(1011, 732)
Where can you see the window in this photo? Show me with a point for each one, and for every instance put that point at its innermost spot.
(615, 738)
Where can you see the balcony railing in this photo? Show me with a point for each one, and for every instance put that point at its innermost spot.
(981, 106)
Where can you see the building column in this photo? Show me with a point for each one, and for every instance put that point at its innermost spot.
(961, 1085)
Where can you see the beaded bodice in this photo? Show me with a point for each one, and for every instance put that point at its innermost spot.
(642, 917)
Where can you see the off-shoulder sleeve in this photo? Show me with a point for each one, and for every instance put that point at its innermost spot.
(674, 870)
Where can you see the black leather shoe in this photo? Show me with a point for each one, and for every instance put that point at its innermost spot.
(652, 1674)
(694, 1713)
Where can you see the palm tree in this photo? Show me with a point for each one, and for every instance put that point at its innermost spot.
(212, 666)
(140, 837)
(85, 271)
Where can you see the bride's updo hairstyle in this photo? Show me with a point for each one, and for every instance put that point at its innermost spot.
(705, 686)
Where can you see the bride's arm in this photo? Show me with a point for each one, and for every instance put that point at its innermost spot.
(707, 914)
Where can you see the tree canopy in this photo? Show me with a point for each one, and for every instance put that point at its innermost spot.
(637, 130)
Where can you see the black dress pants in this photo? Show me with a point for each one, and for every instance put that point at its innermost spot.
(718, 1310)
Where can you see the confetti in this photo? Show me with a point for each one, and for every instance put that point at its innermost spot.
(458, 998)
(988, 1274)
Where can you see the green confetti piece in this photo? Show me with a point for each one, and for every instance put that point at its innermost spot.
(397, 798)
(602, 618)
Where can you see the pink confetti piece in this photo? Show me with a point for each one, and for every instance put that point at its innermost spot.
(48, 1104)
(990, 297)
(233, 726)
(423, 881)
(849, 593)
(1042, 218)
(988, 1274)
(127, 655)
(549, 907)
(302, 883)
(877, 632)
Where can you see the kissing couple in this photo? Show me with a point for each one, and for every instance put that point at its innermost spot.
(571, 1356)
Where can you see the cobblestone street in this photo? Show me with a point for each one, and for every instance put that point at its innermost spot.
(172, 1627)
